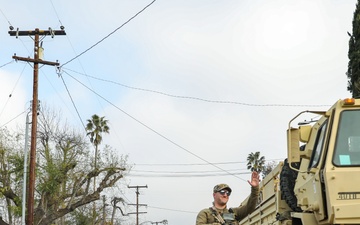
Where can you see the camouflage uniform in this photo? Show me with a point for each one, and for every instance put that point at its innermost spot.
(207, 217)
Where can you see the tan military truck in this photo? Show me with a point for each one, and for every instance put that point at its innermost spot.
(319, 182)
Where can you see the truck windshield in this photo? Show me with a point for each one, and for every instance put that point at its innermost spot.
(347, 146)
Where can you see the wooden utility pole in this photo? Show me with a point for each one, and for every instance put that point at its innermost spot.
(104, 210)
(36, 60)
(137, 202)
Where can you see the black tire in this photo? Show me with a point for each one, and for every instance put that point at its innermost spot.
(287, 183)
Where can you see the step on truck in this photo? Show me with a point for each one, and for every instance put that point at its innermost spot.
(319, 182)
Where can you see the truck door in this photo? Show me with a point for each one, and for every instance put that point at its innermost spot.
(316, 201)
(308, 186)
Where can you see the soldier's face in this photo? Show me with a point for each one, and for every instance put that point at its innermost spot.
(220, 198)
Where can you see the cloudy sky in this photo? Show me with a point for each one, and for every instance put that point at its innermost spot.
(190, 88)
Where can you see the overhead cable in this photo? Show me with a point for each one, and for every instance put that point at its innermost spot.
(72, 101)
(57, 15)
(109, 34)
(197, 98)
(12, 119)
(189, 175)
(153, 130)
(7, 63)
(175, 210)
(186, 172)
(59, 69)
(12, 91)
(198, 164)
(5, 18)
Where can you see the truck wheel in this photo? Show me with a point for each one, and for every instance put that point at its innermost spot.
(287, 183)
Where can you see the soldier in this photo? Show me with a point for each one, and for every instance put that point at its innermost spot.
(220, 214)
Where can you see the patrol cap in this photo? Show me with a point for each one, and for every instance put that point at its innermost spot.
(220, 187)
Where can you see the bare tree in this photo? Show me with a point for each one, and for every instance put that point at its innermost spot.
(114, 203)
(63, 173)
(268, 167)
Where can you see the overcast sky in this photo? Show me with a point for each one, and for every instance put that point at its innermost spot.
(190, 88)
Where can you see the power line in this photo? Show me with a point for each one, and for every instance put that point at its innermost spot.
(186, 164)
(196, 98)
(109, 34)
(92, 47)
(154, 131)
(82, 67)
(226, 173)
(161, 208)
(12, 119)
(184, 172)
(59, 69)
(197, 164)
(175, 210)
(11, 27)
(5, 18)
(12, 91)
(151, 129)
(72, 101)
(59, 72)
(7, 63)
(155, 207)
(57, 93)
(57, 15)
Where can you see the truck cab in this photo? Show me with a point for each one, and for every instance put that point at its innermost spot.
(327, 186)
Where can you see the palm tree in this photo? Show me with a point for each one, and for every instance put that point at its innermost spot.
(95, 127)
(255, 162)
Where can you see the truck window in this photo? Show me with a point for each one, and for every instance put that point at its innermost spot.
(318, 146)
(347, 145)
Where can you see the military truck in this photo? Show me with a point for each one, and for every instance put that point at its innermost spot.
(319, 182)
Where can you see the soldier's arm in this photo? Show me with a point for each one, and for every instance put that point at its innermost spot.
(245, 209)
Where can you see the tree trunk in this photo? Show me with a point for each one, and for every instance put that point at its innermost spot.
(8, 203)
(2, 222)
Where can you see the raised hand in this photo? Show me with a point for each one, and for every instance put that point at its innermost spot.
(254, 182)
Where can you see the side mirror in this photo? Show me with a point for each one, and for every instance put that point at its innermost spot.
(305, 132)
(293, 145)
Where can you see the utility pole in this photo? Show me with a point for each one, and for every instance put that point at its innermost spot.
(36, 60)
(137, 202)
(23, 212)
(104, 210)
